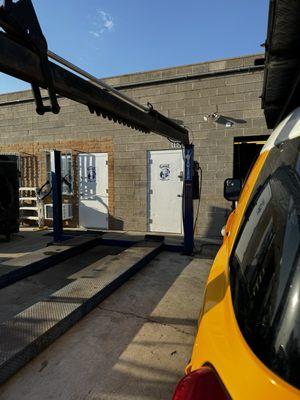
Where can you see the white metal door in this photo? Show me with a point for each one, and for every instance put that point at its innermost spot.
(93, 190)
(165, 185)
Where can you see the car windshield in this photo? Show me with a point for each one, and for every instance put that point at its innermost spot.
(265, 265)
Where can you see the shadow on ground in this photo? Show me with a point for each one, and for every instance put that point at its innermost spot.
(134, 345)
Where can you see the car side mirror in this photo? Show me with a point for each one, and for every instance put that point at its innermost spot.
(232, 189)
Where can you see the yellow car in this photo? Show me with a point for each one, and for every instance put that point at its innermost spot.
(248, 341)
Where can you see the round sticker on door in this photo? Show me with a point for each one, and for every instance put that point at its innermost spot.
(165, 172)
(91, 174)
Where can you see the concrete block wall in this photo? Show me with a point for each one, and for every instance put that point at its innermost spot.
(232, 87)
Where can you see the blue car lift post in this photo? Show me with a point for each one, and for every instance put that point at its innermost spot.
(55, 162)
(188, 206)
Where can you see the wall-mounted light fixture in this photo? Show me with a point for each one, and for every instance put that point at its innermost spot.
(228, 122)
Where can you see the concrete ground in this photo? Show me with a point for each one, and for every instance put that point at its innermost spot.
(30, 239)
(22, 294)
(24, 242)
(134, 345)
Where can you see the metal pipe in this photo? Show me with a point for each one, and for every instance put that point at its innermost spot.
(95, 80)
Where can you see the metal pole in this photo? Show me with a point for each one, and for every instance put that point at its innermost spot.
(188, 218)
(95, 80)
(55, 158)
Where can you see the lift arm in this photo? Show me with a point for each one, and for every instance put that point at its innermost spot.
(24, 55)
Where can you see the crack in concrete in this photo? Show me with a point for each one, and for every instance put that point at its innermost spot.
(150, 320)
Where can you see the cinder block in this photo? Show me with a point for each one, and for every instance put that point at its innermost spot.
(232, 98)
(77, 130)
(192, 110)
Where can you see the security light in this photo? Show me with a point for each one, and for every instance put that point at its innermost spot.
(213, 116)
(229, 124)
(221, 119)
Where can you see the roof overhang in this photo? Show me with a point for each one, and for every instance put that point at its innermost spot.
(281, 90)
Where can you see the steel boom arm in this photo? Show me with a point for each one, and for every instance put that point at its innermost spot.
(23, 63)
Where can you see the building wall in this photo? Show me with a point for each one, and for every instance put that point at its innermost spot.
(184, 93)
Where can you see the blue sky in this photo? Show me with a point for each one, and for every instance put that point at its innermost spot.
(111, 37)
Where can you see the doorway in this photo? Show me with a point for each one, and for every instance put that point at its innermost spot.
(246, 152)
(165, 186)
(93, 190)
